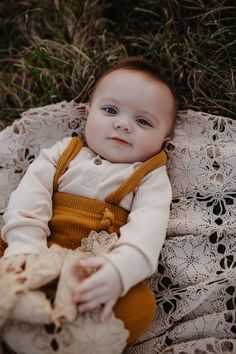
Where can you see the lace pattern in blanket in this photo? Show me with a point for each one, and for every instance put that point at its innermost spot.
(195, 281)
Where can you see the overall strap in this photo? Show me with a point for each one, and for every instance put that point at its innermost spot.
(68, 154)
(136, 178)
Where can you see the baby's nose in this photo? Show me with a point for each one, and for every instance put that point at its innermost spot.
(122, 125)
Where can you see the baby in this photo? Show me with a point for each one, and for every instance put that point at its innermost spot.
(116, 181)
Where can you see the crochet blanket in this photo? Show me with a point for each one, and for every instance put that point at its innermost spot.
(195, 280)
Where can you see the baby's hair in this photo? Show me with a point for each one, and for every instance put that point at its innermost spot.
(144, 66)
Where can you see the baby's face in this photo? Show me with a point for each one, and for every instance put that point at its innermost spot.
(129, 117)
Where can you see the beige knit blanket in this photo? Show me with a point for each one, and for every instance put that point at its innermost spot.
(196, 276)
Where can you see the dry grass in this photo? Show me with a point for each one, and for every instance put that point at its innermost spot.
(55, 50)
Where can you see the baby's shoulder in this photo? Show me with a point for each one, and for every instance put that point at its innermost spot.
(61, 145)
(158, 176)
(53, 152)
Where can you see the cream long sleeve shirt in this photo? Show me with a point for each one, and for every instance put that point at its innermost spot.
(141, 239)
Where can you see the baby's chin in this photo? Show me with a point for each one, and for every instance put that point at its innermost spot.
(122, 159)
(118, 157)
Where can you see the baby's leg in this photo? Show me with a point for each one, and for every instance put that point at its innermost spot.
(136, 309)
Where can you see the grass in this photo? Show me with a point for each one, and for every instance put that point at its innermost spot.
(55, 50)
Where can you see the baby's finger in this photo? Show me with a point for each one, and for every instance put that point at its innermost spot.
(98, 294)
(107, 310)
(89, 284)
(18, 263)
(88, 306)
(13, 263)
(4, 264)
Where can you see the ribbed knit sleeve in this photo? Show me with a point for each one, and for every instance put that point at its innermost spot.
(30, 206)
(142, 238)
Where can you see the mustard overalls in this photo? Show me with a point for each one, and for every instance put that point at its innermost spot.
(74, 217)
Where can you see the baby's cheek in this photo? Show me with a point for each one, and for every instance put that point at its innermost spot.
(92, 129)
(152, 147)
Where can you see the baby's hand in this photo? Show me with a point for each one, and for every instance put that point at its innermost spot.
(17, 262)
(102, 287)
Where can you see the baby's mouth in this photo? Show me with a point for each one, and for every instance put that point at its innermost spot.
(121, 141)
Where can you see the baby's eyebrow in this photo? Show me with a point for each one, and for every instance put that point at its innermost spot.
(109, 99)
(152, 115)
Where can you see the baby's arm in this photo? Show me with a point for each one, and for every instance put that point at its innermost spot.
(141, 239)
(138, 248)
(30, 207)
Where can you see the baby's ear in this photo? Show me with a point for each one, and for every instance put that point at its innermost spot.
(166, 139)
(87, 107)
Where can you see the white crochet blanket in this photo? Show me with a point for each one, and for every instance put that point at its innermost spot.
(195, 283)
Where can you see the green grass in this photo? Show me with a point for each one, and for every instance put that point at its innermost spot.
(55, 50)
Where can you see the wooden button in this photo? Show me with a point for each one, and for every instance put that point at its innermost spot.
(97, 161)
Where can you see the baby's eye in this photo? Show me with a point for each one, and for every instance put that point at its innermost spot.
(143, 121)
(110, 110)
